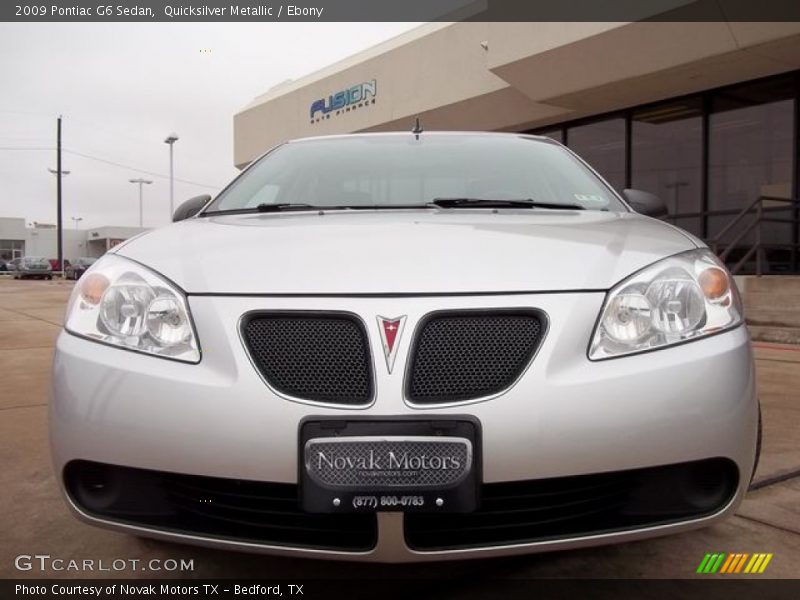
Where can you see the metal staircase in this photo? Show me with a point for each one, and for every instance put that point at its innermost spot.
(746, 248)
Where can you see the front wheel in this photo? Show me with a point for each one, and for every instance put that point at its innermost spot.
(758, 445)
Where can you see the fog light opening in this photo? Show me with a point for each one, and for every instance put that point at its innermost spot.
(94, 487)
(706, 487)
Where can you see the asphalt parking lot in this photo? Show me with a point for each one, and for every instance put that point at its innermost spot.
(34, 520)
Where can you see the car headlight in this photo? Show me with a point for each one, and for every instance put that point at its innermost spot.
(119, 302)
(680, 298)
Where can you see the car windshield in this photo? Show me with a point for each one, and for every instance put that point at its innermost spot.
(401, 170)
(85, 261)
(35, 260)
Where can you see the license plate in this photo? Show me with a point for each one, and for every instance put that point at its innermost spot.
(364, 465)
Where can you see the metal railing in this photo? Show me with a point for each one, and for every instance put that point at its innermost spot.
(749, 220)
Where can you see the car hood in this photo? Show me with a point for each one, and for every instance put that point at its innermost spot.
(405, 251)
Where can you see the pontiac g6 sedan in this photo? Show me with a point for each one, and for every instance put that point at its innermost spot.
(407, 347)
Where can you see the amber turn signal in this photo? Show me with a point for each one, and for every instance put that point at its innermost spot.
(714, 283)
(93, 285)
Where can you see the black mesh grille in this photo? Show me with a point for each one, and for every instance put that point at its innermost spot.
(537, 510)
(467, 355)
(318, 357)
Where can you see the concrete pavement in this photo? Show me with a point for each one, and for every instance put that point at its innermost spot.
(34, 519)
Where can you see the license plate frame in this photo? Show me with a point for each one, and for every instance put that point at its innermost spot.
(461, 496)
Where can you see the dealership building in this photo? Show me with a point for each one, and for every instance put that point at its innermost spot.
(18, 239)
(704, 114)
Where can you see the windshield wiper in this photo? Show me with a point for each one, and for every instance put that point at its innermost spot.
(287, 206)
(498, 203)
(264, 208)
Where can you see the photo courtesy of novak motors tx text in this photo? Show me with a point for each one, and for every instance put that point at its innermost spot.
(456, 299)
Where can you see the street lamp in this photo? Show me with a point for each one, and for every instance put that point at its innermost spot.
(59, 173)
(141, 183)
(171, 139)
(76, 220)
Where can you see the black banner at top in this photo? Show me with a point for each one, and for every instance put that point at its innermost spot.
(397, 10)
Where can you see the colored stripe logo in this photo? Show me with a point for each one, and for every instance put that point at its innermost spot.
(728, 564)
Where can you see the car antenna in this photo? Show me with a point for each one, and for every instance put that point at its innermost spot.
(417, 128)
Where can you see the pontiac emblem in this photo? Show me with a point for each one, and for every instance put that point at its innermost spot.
(391, 330)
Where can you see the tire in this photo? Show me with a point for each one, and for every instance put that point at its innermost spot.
(758, 445)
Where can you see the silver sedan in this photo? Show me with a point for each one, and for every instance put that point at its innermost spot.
(407, 347)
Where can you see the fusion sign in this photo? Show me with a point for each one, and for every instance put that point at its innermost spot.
(352, 98)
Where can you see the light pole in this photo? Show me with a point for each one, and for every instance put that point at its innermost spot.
(141, 182)
(171, 139)
(76, 220)
(59, 173)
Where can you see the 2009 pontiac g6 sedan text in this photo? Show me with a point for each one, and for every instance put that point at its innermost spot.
(407, 347)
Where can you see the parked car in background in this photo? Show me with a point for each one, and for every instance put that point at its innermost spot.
(3, 265)
(54, 264)
(76, 269)
(32, 266)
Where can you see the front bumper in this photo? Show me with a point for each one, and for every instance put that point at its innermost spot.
(566, 416)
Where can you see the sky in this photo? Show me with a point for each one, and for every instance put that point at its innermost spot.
(122, 88)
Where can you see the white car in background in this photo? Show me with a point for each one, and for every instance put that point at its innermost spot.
(31, 267)
(407, 347)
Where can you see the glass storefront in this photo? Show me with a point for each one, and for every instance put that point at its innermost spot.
(667, 156)
(602, 145)
(708, 156)
(555, 134)
(751, 131)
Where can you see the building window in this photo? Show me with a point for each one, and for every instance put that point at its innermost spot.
(602, 145)
(11, 249)
(554, 134)
(667, 158)
(751, 130)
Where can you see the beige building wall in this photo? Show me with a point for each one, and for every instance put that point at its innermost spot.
(516, 76)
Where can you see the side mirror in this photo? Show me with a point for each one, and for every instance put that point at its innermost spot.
(645, 203)
(190, 208)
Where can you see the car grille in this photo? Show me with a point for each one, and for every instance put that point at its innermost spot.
(466, 355)
(260, 512)
(319, 357)
(538, 510)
